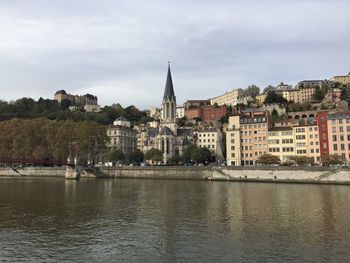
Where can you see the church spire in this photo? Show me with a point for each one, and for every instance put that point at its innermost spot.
(169, 89)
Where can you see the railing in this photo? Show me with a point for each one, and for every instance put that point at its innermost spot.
(33, 162)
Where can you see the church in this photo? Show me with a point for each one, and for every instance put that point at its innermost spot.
(167, 137)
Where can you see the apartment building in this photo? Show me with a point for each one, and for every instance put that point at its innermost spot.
(339, 134)
(121, 137)
(253, 136)
(211, 139)
(233, 141)
(301, 94)
(281, 142)
(230, 98)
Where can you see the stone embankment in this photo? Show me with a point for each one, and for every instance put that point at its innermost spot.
(330, 175)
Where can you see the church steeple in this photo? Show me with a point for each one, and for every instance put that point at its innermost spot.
(169, 88)
(169, 99)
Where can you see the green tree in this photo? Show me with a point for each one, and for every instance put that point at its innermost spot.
(187, 154)
(116, 156)
(273, 97)
(268, 159)
(201, 155)
(136, 156)
(269, 88)
(154, 155)
(252, 91)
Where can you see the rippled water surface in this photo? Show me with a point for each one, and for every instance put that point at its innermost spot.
(50, 220)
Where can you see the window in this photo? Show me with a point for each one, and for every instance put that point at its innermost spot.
(335, 147)
(334, 138)
(341, 129)
(342, 147)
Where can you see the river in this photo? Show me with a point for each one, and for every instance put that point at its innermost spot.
(135, 220)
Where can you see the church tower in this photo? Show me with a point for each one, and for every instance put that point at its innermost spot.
(169, 99)
(169, 104)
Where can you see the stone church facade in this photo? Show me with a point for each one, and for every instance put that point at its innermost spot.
(170, 139)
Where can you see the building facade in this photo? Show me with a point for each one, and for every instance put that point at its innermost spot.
(230, 98)
(339, 134)
(211, 139)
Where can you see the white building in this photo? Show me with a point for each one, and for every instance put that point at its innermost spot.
(211, 139)
(230, 98)
(180, 112)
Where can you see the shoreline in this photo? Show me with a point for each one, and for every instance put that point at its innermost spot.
(300, 175)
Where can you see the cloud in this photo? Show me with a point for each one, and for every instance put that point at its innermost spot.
(119, 50)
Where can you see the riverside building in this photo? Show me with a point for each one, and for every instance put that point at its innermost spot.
(211, 139)
(339, 134)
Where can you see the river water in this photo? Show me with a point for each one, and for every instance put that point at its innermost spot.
(126, 220)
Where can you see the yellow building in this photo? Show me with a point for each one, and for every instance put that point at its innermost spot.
(253, 134)
(230, 98)
(343, 80)
(300, 139)
(261, 98)
(301, 94)
(281, 142)
(339, 134)
(233, 142)
(313, 143)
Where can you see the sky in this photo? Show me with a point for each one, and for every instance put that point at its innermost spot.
(119, 49)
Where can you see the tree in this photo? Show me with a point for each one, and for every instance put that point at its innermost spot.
(175, 160)
(187, 154)
(201, 155)
(136, 156)
(154, 155)
(318, 95)
(332, 159)
(252, 91)
(274, 114)
(116, 156)
(269, 88)
(345, 94)
(273, 97)
(302, 160)
(268, 159)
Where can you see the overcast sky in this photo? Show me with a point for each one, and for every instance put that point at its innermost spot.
(118, 50)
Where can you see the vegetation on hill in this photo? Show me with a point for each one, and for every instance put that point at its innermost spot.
(27, 108)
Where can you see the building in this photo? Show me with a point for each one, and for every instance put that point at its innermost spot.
(92, 108)
(155, 113)
(314, 84)
(281, 142)
(170, 139)
(180, 112)
(233, 141)
(208, 113)
(196, 103)
(339, 134)
(121, 137)
(211, 139)
(322, 123)
(343, 80)
(75, 100)
(299, 94)
(260, 99)
(282, 87)
(230, 98)
(249, 132)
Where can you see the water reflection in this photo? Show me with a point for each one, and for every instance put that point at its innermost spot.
(172, 221)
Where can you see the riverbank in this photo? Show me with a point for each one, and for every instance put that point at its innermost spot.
(315, 175)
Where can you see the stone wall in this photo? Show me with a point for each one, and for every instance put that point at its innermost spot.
(244, 174)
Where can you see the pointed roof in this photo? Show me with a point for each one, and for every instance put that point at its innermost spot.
(169, 89)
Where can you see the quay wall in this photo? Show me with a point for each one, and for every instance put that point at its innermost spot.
(331, 175)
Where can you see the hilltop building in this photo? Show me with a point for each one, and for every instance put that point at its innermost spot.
(88, 102)
(343, 80)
